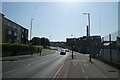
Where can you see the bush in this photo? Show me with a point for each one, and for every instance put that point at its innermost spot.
(18, 49)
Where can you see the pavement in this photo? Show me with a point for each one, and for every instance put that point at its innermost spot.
(81, 68)
(13, 58)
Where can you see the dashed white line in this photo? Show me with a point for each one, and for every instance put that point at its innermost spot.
(27, 65)
(84, 72)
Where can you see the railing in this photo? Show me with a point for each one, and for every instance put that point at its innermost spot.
(110, 48)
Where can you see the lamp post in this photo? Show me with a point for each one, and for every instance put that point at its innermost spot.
(31, 50)
(88, 22)
(88, 34)
(31, 28)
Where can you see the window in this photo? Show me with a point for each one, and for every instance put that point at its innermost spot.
(26, 36)
(10, 41)
(14, 26)
(15, 33)
(26, 31)
(9, 24)
(19, 28)
(22, 30)
(9, 32)
(22, 36)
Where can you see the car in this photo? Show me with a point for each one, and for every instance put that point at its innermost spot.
(62, 52)
(67, 50)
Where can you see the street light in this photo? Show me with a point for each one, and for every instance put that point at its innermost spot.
(88, 22)
(31, 29)
(88, 33)
(30, 45)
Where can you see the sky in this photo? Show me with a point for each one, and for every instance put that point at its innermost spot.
(59, 20)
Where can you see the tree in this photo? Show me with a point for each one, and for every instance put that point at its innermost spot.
(45, 42)
(36, 41)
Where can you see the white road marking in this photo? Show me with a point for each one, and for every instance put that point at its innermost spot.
(84, 73)
(27, 65)
(83, 70)
(86, 64)
(10, 71)
(57, 73)
(74, 63)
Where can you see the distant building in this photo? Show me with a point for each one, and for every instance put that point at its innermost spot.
(13, 32)
(85, 45)
(58, 44)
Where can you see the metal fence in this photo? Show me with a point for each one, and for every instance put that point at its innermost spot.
(110, 48)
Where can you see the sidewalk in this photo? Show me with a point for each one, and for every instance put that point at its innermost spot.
(13, 58)
(80, 67)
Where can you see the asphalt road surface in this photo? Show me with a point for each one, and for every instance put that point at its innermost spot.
(80, 67)
(38, 67)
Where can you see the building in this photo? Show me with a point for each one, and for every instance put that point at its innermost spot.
(13, 32)
(73, 43)
(58, 44)
(85, 45)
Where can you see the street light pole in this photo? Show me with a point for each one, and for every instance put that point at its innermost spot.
(88, 23)
(88, 36)
(30, 45)
(31, 28)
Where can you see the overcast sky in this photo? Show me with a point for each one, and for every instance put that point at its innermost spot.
(59, 20)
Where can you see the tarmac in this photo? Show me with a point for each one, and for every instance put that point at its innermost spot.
(81, 68)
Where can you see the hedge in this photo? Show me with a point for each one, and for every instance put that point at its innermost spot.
(19, 49)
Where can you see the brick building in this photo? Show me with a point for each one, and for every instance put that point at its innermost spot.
(13, 32)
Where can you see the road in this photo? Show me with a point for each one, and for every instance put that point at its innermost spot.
(36, 67)
(80, 67)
